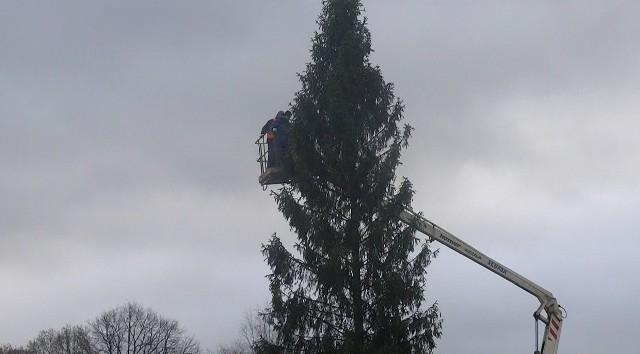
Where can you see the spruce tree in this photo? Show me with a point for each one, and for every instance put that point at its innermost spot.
(357, 282)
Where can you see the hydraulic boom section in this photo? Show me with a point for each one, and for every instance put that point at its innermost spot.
(553, 313)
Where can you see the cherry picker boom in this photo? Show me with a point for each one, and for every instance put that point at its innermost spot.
(553, 313)
(548, 303)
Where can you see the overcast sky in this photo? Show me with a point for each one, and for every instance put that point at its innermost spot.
(128, 173)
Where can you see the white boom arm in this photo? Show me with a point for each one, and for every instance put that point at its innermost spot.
(548, 303)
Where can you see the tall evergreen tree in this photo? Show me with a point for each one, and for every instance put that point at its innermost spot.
(357, 285)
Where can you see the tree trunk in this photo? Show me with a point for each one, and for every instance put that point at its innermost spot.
(356, 282)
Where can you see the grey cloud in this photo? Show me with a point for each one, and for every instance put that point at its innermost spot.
(127, 165)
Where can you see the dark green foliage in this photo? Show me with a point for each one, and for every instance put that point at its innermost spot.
(358, 284)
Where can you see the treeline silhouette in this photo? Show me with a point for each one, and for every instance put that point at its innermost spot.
(129, 328)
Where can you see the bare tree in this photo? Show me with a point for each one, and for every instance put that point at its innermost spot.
(44, 342)
(132, 329)
(68, 340)
(107, 332)
(8, 349)
(237, 347)
(256, 336)
(188, 345)
(75, 340)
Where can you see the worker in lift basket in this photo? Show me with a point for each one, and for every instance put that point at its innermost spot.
(268, 129)
(281, 135)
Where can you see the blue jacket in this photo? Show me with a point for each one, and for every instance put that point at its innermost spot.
(280, 129)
